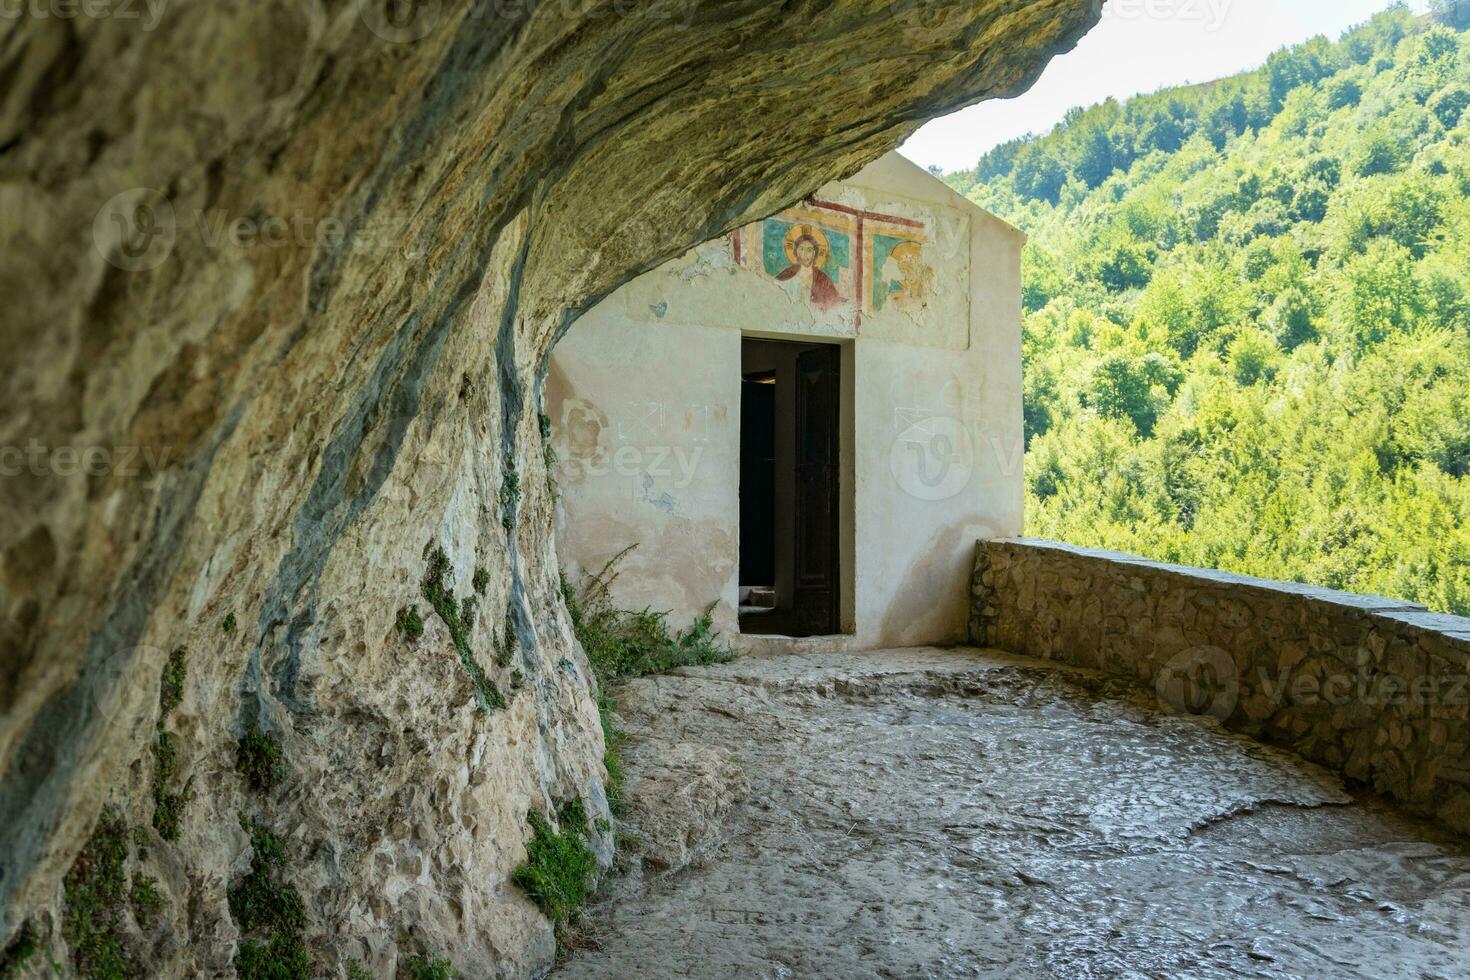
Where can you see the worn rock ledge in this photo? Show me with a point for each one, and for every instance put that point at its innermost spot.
(966, 813)
(1375, 688)
(281, 280)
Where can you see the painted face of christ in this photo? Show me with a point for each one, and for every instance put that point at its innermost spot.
(806, 252)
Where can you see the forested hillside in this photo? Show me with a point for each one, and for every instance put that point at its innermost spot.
(1247, 331)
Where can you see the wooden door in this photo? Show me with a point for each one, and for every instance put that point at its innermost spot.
(818, 435)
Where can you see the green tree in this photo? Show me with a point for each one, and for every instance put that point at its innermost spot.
(1247, 336)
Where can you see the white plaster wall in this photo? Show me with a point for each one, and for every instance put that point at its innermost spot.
(644, 398)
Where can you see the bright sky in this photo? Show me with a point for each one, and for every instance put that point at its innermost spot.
(1140, 46)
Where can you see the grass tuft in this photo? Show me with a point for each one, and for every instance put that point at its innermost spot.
(259, 759)
(548, 455)
(612, 757)
(171, 686)
(229, 624)
(560, 868)
(410, 623)
(508, 642)
(271, 913)
(510, 495)
(94, 892)
(145, 900)
(620, 643)
(168, 808)
(430, 968)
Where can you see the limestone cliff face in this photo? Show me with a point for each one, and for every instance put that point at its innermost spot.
(280, 281)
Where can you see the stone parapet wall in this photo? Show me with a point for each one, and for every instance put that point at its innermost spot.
(1375, 688)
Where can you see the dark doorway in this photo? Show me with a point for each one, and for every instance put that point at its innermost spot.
(790, 433)
(758, 479)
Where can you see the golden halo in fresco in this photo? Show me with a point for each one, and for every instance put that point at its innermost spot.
(803, 230)
(906, 251)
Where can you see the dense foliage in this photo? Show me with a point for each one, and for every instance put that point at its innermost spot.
(1247, 330)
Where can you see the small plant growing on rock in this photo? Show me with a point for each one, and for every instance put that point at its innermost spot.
(560, 867)
(145, 900)
(409, 623)
(620, 643)
(612, 757)
(505, 648)
(437, 591)
(259, 759)
(171, 686)
(510, 494)
(19, 952)
(548, 454)
(168, 808)
(430, 968)
(270, 912)
(481, 581)
(229, 624)
(95, 890)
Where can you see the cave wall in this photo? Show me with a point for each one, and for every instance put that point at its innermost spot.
(282, 279)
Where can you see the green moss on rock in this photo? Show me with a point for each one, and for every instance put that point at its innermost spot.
(168, 807)
(95, 890)
(171, 686)
(259, 759)
(409, 623)
(145, 900)
(430, 968)
(560, 869)
(19, 952)
(487, 694)
(270, 913)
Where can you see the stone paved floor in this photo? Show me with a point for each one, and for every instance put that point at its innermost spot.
(931, 813)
